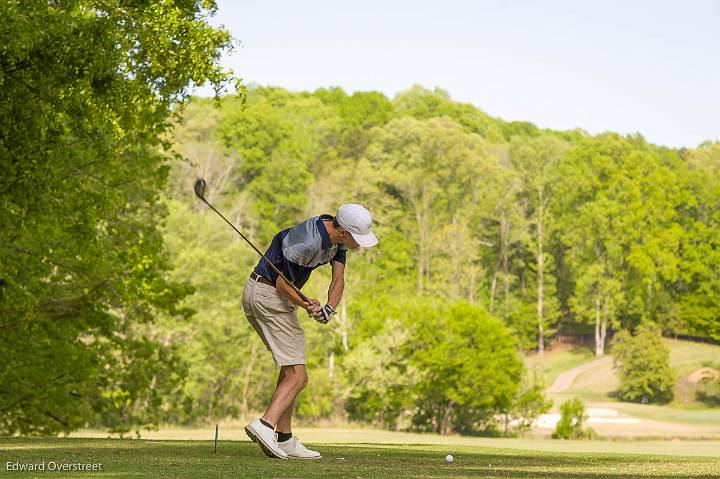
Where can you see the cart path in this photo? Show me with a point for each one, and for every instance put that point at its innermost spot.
(565, 380)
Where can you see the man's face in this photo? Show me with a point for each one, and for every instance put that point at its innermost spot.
(349, 241)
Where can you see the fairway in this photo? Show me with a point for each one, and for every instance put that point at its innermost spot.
(189, 459)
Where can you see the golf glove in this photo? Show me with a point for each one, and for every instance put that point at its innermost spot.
(326, 312)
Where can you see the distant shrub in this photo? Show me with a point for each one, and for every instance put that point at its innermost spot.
(570, 425)
(643, 365)
(709, 392)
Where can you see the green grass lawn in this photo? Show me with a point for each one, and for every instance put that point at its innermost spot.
(686, 356)
(598, 383)
(181, 459)
(683, 417)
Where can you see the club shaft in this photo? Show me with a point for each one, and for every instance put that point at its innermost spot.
(295, 288)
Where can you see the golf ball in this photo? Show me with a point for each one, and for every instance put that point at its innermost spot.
(449, 458)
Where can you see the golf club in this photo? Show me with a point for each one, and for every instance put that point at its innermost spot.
(200, 192)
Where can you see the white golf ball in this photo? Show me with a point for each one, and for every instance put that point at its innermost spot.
(449, 458)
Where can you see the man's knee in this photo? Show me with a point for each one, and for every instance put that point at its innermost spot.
(301, 377)
(298, 374)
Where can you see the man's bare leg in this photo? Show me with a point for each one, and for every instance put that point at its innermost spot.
(283, 424)
(291, 380)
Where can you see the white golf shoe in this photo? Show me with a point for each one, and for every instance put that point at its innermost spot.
(266, 438)
(295, 449)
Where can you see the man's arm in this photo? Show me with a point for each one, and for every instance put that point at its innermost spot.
(337, 284)
(288, 290)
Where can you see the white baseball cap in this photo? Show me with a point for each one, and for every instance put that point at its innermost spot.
(357, 221)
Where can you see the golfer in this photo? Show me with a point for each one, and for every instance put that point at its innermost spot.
(270, 305)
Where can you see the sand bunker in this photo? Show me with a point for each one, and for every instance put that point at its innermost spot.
(702, 373)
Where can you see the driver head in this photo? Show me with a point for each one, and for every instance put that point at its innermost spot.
(200, 188)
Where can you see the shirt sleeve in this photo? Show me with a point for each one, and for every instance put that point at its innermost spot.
(340, 256)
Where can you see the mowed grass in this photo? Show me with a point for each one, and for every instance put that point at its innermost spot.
(685, 357)
(595, 386)
(558, 360)
(598, 383)
(189, 459)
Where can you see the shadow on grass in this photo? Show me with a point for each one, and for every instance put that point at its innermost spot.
(123, 458)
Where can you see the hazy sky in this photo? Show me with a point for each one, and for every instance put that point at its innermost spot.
(633, 66)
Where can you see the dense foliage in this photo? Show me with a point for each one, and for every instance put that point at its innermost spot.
(86, 91)
(642, 361)
(478, 219)
(570, 425)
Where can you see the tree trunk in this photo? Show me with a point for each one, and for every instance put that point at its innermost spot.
(445, 425)
(600, 330)
(541, 280)
(421, 252)
(421, 213)
(504, 233)
(493, 286)
(246, 380)
(345, 327)
(426, 231)
(331, 365)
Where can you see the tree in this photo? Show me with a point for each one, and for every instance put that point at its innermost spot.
(708, 391)
(362, 109)
(429, 166)
(422, 103)
(697, 288)
(279, 139)
(536, 162)
(470, 368)
(619, 224)
(642, 361)
(507, 226)
(572, 417)
(88, 89)
(381, 378)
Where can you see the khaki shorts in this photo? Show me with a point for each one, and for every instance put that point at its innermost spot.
(273, 317)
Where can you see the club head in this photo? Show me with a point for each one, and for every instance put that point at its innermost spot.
(200, 188)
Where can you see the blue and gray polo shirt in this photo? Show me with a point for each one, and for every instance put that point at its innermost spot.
(297, 251)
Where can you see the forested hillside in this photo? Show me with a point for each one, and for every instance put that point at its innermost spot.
(494, 237)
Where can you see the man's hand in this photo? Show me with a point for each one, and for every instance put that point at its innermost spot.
(326, 312)
(313, 308)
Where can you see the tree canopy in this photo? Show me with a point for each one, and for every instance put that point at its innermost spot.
(87, 90)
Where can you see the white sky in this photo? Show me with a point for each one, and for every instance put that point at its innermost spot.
(628, 66)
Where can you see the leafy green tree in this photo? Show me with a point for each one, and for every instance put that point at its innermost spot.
(621, 231)
(362, 109)
(429, 166)
(505, 224)
(536, 162)
(88, 89)
(470, 368)
(697, 289)
(279, 139)
(227, 366)
(381, 378)
(514, 129)
(642, 361)
(421, 103)
(572, 417)
(708, 391)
